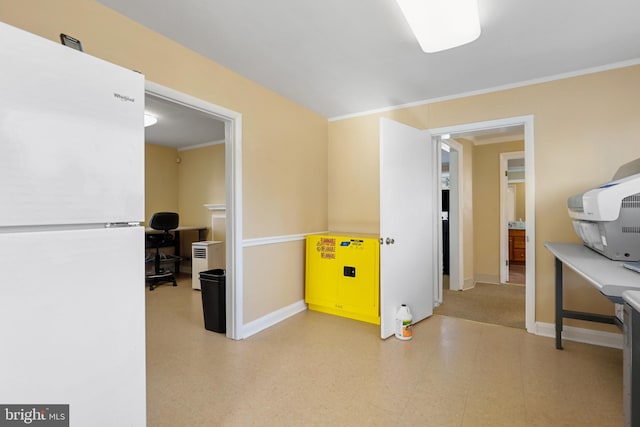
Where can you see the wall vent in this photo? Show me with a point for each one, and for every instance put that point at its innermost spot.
(205, 255)
(200, 253)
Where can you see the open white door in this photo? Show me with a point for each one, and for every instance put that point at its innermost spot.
(507, 210)
(408, 210)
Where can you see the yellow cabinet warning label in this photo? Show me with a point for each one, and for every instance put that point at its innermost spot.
(327, 247)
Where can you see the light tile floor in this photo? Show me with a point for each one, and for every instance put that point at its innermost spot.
(320, 370)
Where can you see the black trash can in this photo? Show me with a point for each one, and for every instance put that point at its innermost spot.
(212, 284)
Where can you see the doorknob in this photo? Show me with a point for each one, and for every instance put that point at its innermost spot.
(390, 241)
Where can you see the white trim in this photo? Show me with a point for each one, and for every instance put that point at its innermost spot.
(218, 211)
(485, 125)
(530, 215)
(204, 144)
(233, 156)
(216, 208)
(468, 284)
(588, 336)
(547, 79)
(527, 121)
(233, 178)
(498, 140)
(437, 284)
(456, 223)
(273, 318)
(260, 241)
(493, 279)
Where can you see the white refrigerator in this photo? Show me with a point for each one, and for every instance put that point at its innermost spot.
(72, 308)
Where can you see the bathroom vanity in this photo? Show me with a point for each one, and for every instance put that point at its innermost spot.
(517, 246)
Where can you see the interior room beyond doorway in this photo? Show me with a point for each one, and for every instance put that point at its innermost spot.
(185, 169)
(486, 298)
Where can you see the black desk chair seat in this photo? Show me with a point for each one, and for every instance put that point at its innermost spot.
(165, 222)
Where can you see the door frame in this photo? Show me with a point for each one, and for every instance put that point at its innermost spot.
(233, 196)
(456, 264)
(528, 123)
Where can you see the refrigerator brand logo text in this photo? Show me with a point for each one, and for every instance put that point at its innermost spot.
(123, 98)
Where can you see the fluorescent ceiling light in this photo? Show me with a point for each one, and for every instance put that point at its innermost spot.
(149, 120)
(442, 24)
(445, 147)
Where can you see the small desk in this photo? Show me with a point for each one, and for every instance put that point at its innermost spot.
(202, 235)
(608, 276)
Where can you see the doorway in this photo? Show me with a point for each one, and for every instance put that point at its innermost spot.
(233, 195)
(512, 218)
(498, 128)
(451, 172)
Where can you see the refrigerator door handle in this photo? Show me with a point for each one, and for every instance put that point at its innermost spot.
(121, 224)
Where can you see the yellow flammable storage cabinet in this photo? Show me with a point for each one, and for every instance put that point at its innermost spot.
(342, 276)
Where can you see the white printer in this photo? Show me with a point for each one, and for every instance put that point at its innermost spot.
(607, 218)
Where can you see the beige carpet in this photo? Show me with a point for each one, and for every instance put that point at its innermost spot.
(486, 303)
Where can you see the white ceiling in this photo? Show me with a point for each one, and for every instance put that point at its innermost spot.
(343, 57)
(340, 57)
(180, 127)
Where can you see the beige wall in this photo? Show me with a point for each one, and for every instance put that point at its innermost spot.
(486, 208)
(584, 128)
(284, 148)
(160, 179)
(354, 189)
(184, 181)
(287, 271)
(201, 181)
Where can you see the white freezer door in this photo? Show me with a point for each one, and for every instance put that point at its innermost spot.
(72, 323)
(71, 135)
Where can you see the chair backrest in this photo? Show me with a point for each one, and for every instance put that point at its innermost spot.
(164, 221)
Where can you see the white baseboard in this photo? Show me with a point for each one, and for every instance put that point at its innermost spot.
(588, 336)
(468, 284)
(487, 278)
(272, 318)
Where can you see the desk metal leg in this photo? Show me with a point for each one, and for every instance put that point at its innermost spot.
(559, 304)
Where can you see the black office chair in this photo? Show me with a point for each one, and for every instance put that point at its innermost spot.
(165, 222)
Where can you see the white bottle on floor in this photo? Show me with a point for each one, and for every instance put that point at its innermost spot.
(403, 323)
